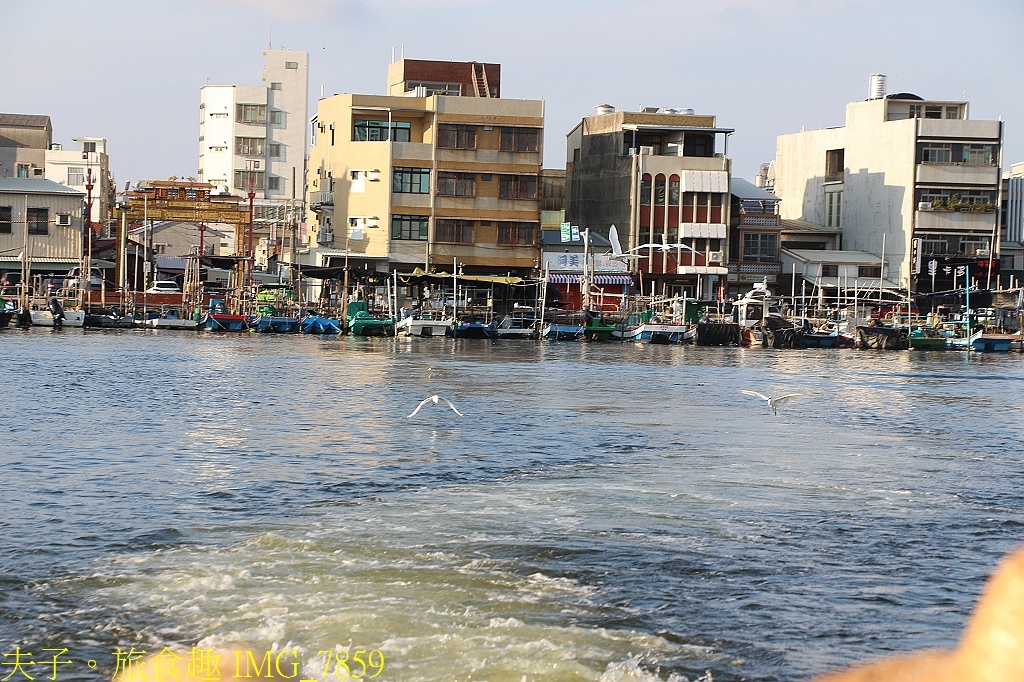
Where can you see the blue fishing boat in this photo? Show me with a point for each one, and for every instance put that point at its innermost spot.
(992, 344)
(274, 324)
(562, 332)
(471, 328)
(318, 324)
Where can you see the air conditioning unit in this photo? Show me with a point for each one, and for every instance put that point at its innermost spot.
(373, 175)
(982, 253)
(64, 219)
(646, 151)
(924, 206)
(716, 256)
(371, 221)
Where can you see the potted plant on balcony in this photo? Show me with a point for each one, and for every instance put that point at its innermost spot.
(954, 203)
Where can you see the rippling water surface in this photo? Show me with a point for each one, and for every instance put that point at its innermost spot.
(601, 512)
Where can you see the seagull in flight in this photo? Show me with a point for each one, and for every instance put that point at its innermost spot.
(435, 399)
(773, 402)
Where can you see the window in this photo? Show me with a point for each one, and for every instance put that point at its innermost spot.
(456, 184)
(377, 131)
(291, 65)
(760, 246)
(251, 113)
(829, 269)
(834, 164)
(274, 183)
(249, 146)
(659, 190)
(869, 271)
(456, 136)
(673, 192)
(22, 170)
(952, 112)
(275, 150)
(978, 154)
(645, 190)
(275, 86)
(76, 176)
(89, 147)
(517, 187)
(937, 153)
(933, 112)
(517, 234)
(411, 181)
(915, 111)
(276, 117)
(933, 246)
(412, 227)
(5, 219)
(429, 89)
(697, 145)
(833, 209)
(242, 179)
(37, 220)
(453, 231)
(519, 139)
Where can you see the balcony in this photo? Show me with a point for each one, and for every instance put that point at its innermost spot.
(759, 219)
(958, 128)
(321, 198)
(417, 151)
(954, 221)
(957, 174)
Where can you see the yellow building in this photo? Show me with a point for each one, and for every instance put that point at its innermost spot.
(441, 170)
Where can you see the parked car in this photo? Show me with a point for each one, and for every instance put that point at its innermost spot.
(164, 287)
(72, 278)
(11, 278)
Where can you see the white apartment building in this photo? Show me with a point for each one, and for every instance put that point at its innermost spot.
(259, 132)
(72, 167)
(908, 180)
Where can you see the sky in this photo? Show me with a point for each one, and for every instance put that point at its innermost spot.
(130, 71)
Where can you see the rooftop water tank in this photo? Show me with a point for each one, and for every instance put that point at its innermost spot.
(876, 86)
(603, 109)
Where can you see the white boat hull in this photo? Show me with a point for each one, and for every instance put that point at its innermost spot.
(416, 327)
(44, 318)
(667, 333)
(164, 323)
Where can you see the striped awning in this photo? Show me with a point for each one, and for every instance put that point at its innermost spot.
(623, 280)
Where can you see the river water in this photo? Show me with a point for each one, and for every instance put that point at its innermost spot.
(600, 512)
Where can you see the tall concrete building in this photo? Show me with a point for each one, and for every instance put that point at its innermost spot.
(439, 171)
(1011, 248)
(259, 133)
(908, 180)
(661, 176)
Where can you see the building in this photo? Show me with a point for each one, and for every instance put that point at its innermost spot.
(41, 224)
(74, 167)
(414, 179)
(257, 134)
(24, 139)
(661, 176)
(755, 237)
(1011, 250)
(907, 180)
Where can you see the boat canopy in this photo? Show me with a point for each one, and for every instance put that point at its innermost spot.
(419, 276)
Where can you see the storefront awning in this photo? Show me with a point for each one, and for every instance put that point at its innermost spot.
(598, 279)
(702, 270)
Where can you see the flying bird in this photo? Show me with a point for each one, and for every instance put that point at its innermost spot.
(435, 399)
(773, 402)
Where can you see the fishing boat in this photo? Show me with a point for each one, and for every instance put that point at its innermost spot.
(999, 343)
(318, 324)
(963, 342)
(562, 332)
(274, 324)
(657, 332)
(362, 323)
(829, 337)
(108, 318)
(882, 338)
(761, 322)
(54, 315)
(471, 328)
(223, 322)
(170, 318)
(522, 323)
(927, 338)
(424, 324)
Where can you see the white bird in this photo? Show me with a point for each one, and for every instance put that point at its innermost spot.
(773, 402)
(435, 399)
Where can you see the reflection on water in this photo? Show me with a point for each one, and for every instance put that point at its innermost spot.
(601, 512)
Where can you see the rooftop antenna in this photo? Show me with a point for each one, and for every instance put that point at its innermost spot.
(392, 54)
(270, 38)
(321, 91)
(403, 50)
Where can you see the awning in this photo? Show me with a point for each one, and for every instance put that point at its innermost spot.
(418, 276)
(850, 282)
(702, 270)
(598, 279)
